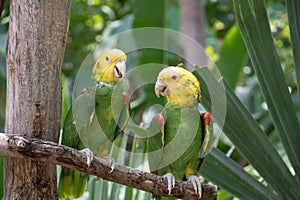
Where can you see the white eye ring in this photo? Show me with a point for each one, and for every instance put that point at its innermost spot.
(174, 77)
(107, 59)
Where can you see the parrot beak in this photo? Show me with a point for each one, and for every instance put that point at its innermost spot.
(120, 68)
(161, 88)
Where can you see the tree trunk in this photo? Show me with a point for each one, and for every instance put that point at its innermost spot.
(193, 25)
(35, 49)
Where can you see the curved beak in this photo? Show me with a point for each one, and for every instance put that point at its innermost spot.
(120, 68)
(161, 88)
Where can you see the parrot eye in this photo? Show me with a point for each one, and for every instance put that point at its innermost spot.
(107, 59)
(174, 77)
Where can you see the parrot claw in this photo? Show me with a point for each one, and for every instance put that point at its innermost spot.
(111, 162)
(171, 181)
(196, 184)
(89, 156)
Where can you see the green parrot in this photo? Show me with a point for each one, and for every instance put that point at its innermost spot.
(178, 150)
(96, 117)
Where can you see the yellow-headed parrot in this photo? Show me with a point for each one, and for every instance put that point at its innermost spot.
(94, 120)
(183, 139)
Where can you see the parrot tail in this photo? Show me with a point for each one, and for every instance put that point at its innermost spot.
(72, 184)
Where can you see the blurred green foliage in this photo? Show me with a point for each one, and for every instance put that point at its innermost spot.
(92, 21)
(88, 21)
(3, 37)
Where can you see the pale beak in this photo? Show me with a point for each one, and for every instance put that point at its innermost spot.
(120, 68)
(161, 88)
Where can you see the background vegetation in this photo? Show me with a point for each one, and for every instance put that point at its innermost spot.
(251, 45)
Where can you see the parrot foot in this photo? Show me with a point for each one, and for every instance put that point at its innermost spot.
(89, 156)
(196, 184)
(171, 181)
(111, 162)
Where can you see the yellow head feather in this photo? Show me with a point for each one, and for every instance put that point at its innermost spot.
(110, 67)
(179, 85)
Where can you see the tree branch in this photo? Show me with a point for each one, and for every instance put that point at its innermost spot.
(46, 151)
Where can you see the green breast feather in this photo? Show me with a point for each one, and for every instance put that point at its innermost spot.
(91, 122)
(181, 142)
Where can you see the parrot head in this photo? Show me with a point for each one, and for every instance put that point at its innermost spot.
(111, 66)
(179, 85)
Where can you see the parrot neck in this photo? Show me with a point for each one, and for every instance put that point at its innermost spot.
(104, 77)
(182, 100)
(103, 82)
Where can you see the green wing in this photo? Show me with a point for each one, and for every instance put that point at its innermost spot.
(112, 111)
(155, 142)
(182, 141)
(207, 140)
(94, 125)
(177, 147)
(72, 184)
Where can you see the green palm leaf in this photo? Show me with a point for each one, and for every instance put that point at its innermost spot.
(293, 8)
(254, 25)
(244, 132)
(242, 184)
(241, 128)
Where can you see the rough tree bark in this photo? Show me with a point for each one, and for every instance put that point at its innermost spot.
(35, 49)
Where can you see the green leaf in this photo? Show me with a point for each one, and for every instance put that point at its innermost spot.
(293, 10)
(128, 193)
(65, 98)
(233, 56)
(220, 169)
(115, 191)
(254, 26)
(248, 137)
(150, 13)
